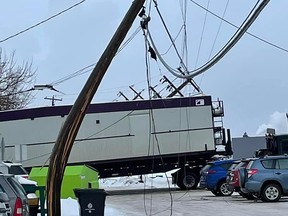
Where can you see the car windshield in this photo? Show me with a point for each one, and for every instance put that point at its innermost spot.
(241, 164)
(17, 186)
(250, 164)
(233, 166)
(17, 170)
(205, 168)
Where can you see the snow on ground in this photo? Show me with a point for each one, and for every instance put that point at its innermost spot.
(156, 180)
(70, 207)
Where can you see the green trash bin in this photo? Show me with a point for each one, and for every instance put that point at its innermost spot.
(91, 200)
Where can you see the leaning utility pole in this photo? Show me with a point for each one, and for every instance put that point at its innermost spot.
(69, 130)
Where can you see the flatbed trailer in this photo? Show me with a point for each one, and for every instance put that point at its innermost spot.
(124, 138)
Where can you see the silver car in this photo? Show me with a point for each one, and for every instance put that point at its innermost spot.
(18, 200)
(267, 178)
(4, 205)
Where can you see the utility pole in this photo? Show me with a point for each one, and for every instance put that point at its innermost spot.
(53, 99)
(69, 130)
(137, 94)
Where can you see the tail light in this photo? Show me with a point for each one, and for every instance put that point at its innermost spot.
(211, 171)
(252, 172)
(18, 210)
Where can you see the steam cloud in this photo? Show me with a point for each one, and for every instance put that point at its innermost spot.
(278, 121)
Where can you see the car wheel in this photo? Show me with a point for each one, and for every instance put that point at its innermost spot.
(271, 193)
(223, 189)
(188, 181)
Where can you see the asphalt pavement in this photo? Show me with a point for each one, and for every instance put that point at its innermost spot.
(163, 202)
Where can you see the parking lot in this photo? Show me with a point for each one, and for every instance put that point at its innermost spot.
(195, 202)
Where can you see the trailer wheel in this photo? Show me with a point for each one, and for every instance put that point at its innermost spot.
(188, 181)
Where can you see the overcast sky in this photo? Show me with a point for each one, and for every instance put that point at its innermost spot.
(251, 79)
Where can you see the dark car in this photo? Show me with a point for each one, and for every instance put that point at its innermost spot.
(233, 177)
(18, 200)
(213, 177)
(267, 177)
(231, 173)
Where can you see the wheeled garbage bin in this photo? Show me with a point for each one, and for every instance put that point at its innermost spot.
(91, 200)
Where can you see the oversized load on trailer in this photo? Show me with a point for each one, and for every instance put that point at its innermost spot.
(124, 138)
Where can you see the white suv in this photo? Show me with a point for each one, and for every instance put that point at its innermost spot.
(8, 167)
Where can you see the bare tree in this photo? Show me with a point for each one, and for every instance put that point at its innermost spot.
(14, 82)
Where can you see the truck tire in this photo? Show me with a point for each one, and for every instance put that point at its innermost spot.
(188, 181)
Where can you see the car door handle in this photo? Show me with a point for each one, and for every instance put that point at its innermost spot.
(278, 173)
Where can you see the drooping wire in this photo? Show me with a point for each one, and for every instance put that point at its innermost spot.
(177, 35)
(77, 73)
(202, 33)
(152, 126)
(216, 37)
(90, 67)
(42, 22)
(128, 40)
(234, 39)
(185, 42)
(218, 30)
(169, 35)
(235, 26)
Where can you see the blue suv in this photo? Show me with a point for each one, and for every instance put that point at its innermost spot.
(213, 177)
(267, 178)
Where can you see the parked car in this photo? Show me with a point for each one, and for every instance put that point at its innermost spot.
(18, 200)
(233, 177)
(230, 174)
(8, 167)
(4, 204)
(213, 177)
(30, 189)
(267, 177)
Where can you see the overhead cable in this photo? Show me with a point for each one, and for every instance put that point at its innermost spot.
(43, 21)
(234, 39)
(219, 27)
(91, 66)
(202, 33)
(235, 26)
(170, 37)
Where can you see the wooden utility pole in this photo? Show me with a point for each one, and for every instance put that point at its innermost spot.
(69, 130)
(53, 99)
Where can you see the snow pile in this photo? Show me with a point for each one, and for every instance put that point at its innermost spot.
(156, 180)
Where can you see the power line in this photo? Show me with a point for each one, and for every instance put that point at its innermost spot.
(167, 31)
(43, 21)
(202, 33)
(91, 66)
(218, 31)
(233, 40)
(235, 26)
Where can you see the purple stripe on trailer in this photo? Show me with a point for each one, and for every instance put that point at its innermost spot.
(107, 107)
